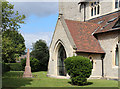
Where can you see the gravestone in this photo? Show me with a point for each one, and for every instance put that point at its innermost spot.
(27, 72)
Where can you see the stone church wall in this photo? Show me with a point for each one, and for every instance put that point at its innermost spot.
(108, 42)
(71, 10)
(59, 37)
(97, 64)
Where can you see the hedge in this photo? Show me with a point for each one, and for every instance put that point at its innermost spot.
(5, 67)
(15, 66)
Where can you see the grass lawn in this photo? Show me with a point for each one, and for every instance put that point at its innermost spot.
(14, 79)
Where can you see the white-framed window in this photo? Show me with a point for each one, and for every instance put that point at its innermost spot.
(95, 8)
(117, 4)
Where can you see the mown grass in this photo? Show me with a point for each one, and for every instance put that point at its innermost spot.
(14, 79)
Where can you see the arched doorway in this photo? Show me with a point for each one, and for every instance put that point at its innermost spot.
(61, 58)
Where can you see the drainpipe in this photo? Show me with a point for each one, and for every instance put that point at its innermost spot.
(119, 60)
(83, 3)
(119, 52)
(84, 11)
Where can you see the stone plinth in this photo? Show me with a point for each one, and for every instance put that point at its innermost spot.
(27, 72)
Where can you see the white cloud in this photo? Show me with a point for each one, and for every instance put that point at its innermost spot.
(33, 37)
(40, 9)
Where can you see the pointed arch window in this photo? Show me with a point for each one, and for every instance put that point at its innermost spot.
(98, 9)
(95, 11)
(95, 8)
(91, 59)
(117, 56)
(92, 12)
(117, 4)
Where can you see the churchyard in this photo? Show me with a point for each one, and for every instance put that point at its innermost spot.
(14, 79)
(22, 69)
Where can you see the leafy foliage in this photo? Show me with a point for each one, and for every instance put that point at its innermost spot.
(12, 44)
(79, 68)
(40, 51)
(10, 19)
(12, 40)
(34, 63)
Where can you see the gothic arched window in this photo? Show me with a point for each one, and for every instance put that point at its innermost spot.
(98, 9)
(95, 8)
(92, 12)
(117, 4)
(95, 11)
(91, 59)
(117, 56)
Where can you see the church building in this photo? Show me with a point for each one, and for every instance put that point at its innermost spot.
(89, 29)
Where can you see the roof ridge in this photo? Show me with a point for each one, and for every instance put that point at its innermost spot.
(104, 15)
(83, 22)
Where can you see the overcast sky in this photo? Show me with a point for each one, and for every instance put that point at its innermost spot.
(41, 18)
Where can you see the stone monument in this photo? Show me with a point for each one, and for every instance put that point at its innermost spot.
(27, 72)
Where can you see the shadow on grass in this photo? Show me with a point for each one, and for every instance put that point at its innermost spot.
(11, 80)
(88, 83)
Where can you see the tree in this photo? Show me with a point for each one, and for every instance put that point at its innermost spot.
(12, 40)
(10, 19)
(34, 63)
(12, 45)
(40, 51)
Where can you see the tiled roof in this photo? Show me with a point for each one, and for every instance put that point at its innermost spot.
(106, 22)
(81, 33)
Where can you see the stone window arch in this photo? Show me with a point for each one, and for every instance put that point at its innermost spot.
(98, 9)
(91, 11)
(117, 4)
(117, 54)
(60, 61)
(91, 59)
(95, 8)
(60, 54)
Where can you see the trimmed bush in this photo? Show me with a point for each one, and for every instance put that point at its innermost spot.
(15, 66)
(34, 63)
(5, 67)
(79, 69)
(23, 63)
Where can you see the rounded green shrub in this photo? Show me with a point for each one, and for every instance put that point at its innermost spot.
(79, 68)
(34, 63)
